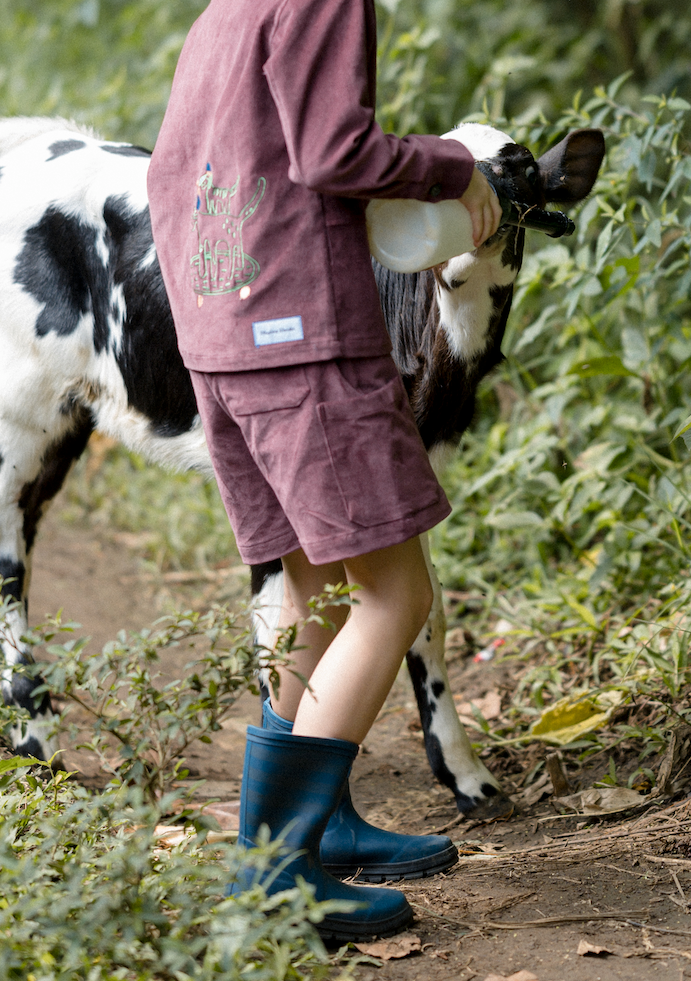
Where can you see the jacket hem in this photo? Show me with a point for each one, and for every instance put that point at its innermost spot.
(212, 363)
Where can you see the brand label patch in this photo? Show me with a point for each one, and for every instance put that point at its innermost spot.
(277, 331)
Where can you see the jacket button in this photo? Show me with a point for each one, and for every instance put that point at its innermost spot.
(435, 190)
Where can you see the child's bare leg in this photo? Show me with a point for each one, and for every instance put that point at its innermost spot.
(352, 679)
(302, 581)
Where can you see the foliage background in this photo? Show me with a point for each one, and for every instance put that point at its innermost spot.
(570, 501)
(571, 504)
(570, 496)
(109, 63)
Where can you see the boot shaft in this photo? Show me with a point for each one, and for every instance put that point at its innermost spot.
(293, 784)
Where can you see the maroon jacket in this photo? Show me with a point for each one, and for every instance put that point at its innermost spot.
(266, 159)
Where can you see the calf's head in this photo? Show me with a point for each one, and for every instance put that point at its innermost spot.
(472, 286)
(447, 324)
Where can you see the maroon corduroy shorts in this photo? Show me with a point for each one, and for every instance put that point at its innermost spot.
(323, 456)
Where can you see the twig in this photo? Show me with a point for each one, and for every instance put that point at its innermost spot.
(560, 782)
(512, 901)
(678, 885)
(556, 920)
(655, 929)
(668, 861)
(617, 868)
(464, 924)
(451, 824)
(623, 916)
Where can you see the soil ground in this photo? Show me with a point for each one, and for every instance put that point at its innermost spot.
(526, 893)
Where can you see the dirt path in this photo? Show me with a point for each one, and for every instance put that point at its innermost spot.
(597, 892)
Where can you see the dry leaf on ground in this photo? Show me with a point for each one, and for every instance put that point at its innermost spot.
(226, 812)
(603, 800)
(586, 949)
(518, 976)
(388, 950)
(489, 706)
(573, 716)
(534, 792)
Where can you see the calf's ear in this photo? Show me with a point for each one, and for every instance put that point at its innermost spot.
(569, 170)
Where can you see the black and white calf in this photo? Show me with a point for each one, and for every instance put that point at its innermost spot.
(87, 342)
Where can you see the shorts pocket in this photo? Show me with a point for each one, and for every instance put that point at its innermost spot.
(379, 462)
(267, 391)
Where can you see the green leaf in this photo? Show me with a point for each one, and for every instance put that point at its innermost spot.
(632, 265)
(17, 762)
(683, 428)
(509, 520)
(609, 365)
(584, 613)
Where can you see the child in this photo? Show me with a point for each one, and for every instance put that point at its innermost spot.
(265, 162)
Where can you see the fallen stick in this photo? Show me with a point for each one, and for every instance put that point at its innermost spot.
(668, 861)
(647, 926)
(623, 916)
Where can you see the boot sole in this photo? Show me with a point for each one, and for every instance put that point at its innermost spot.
(335, 932)
(420, 868)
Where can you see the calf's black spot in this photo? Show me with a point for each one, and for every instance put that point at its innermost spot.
(12, 569)
(60, 267)
(61, 147)
(127, 151)
(23, 696)
(30, 747)
(55, 466)
(260, 573)
(438, 688)
(158, 384)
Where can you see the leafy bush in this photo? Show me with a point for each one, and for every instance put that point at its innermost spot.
(571, 503)
(109, 63)
(583, 463)
(176, 520)
(86, 889)
(86, 892)
(443, 59)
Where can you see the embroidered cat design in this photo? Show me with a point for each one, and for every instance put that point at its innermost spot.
(221, 265)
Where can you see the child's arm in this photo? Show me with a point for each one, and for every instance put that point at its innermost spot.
(320, 71)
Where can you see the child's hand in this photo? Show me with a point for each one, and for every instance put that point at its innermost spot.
(483, 205)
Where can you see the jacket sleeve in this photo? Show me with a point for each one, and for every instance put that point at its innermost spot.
(318, 74)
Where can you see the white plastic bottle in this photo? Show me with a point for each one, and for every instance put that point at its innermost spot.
(407, 235)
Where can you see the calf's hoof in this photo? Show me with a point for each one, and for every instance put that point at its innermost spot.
(496, 806)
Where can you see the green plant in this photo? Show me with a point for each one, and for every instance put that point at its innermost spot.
(175, 521)
(580, 471)
(140, 728)
(110, 63)
(87, 892)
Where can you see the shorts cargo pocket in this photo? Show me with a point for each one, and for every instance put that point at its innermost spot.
(379, 462)
(271, 391)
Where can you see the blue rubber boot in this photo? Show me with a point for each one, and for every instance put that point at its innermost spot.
(352, 848)
(292, 784)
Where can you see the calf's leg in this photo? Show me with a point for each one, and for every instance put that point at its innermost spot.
(453, 760)
(32, 470)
